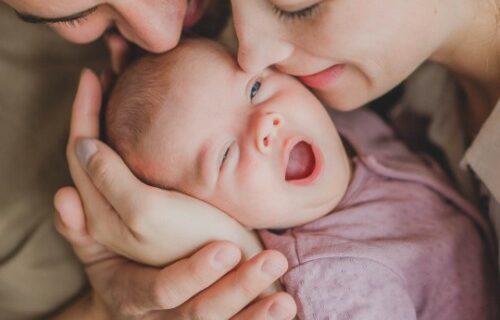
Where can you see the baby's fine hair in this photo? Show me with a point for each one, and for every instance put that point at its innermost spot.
(139, 94)
(133, 102)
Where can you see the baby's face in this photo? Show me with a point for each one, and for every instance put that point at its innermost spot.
(260, 147)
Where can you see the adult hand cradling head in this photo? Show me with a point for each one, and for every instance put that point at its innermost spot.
(154, 25)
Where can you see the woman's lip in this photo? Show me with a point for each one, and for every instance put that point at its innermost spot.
(289, 144)
(194, 12)
(323, 78)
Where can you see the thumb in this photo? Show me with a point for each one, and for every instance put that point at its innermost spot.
(111, 177)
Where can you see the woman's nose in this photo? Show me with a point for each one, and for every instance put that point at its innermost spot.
(259, 45)
(267, 128)
(254, 58)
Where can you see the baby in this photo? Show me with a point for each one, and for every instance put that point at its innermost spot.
(369, 229)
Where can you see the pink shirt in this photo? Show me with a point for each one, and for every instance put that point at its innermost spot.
(401, 244)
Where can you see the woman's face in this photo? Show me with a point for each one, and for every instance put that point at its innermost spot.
(155, 25)
(348, 51)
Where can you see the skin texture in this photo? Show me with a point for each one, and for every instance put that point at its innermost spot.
(472, 55)
(204, 109)
(171, 289)
(154, 25)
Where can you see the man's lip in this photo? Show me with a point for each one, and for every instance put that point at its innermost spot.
(194, 12)
(323, 78)
(289, 144)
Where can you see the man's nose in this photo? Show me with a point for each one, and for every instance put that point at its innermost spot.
(267, 128)
(147, 26)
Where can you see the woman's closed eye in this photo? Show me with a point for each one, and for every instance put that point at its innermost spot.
(72, 20)
(296, 14)
(72, 23)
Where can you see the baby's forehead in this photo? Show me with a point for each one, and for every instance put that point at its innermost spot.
(194, 57)
(200, 75)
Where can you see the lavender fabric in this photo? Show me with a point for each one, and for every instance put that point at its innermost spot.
(402, 244)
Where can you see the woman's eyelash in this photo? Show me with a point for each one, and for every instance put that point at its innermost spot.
(74, 22)
(296, 15)
(77, 20)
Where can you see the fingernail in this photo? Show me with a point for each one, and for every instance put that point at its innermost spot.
(85, 149)
(278, 312)
(272, 268)
(226, 258)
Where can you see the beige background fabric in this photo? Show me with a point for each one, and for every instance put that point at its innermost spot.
(38, 77)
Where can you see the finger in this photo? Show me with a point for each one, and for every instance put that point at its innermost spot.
(182, 280)
(88, 240)
(279, 306)
(84, 123)
(70, 211)
(118, 48)
(70, 222)
(231, 294)
(86, 107)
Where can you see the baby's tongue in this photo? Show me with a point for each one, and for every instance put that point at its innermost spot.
(301, 162)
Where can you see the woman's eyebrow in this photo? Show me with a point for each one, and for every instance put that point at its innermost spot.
(26, 17)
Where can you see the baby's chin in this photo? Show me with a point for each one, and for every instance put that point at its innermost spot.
(284, 219)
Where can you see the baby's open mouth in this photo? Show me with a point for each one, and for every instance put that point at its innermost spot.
(301, 162)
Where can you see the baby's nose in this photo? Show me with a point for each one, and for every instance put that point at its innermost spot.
(268, 126)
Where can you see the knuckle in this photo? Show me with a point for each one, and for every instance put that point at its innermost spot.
(166, 296)
(196, 310)
(198, 273)
(123, 309)
(250, 284)
(97, 230)
(95, 233)
(99, 171)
